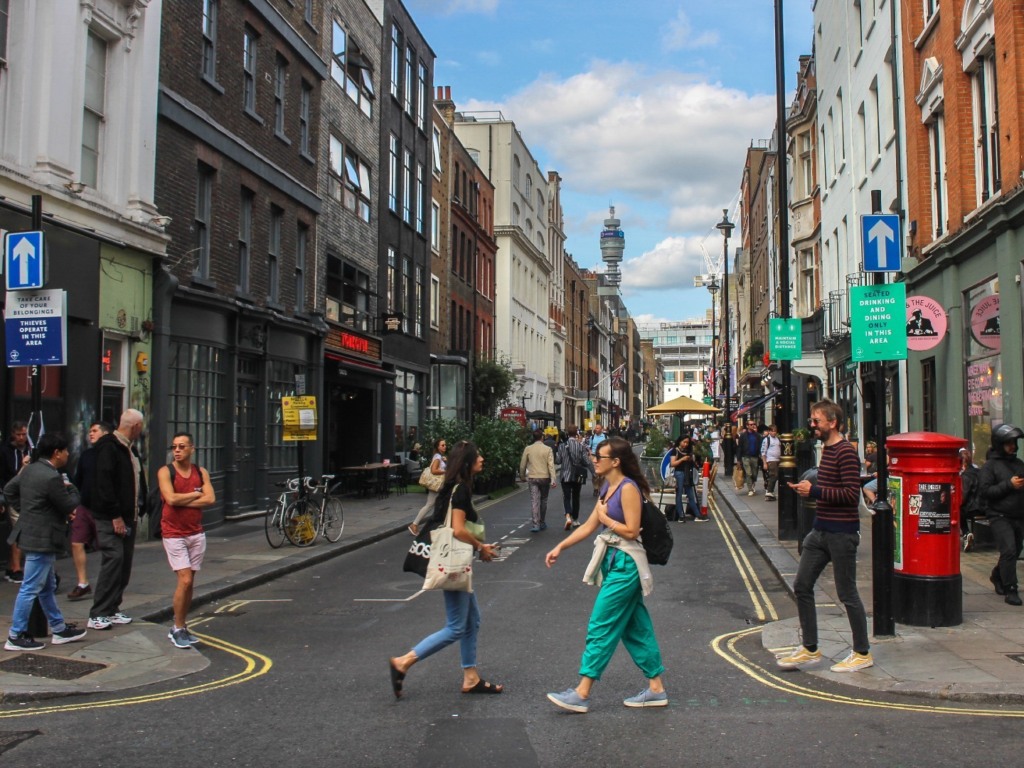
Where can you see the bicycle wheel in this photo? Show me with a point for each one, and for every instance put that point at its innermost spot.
(334, 519)
(302, 522)
(272, 525)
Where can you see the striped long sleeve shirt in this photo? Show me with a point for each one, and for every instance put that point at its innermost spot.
(837, 489)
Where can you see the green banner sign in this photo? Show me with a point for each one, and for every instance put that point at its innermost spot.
(878, 322)
(590, 405)
(708, 400)
(784, 337)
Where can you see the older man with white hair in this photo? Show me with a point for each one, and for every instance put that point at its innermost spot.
(119, 485)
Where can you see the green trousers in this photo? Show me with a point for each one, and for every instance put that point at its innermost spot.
(620, 614)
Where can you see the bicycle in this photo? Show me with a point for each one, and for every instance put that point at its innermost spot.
(273, 522)
(321, 512)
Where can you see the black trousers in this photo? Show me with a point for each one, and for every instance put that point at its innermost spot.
(1009, 535)
(116, 553)
(571, 499)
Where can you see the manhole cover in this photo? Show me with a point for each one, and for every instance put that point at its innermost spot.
(52, 667)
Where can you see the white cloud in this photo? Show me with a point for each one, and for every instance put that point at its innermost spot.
(679, 35)
(666, 144)
(672, 263)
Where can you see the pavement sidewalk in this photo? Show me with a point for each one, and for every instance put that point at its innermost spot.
(238, 557)
(980, 660)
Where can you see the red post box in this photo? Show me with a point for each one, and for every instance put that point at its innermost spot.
(925, 492)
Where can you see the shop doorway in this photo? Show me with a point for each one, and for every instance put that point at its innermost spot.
(245, 437)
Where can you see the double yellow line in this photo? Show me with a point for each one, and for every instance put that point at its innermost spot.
(254, 665)
(758, 596)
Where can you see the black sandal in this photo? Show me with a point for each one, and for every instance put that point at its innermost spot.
(482, 686)
(396, 679)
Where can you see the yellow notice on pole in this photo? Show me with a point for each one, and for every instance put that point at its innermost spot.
(299, 417)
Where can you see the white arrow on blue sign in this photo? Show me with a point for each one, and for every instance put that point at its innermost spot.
(23, 261)
(881, 241)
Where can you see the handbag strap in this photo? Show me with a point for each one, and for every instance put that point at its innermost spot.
(448, 517)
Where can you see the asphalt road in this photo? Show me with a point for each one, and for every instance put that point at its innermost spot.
(299, 677)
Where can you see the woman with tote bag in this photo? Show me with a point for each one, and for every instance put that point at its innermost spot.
(462, 614)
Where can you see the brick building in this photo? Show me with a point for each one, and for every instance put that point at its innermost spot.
(962, 87)
(235, 306)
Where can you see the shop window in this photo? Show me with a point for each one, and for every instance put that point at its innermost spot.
(197, 399)
(280, 383)
(984, 373)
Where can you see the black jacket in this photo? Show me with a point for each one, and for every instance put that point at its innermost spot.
(995, 493)
(84, 474)
(10, 461)
(114, 483)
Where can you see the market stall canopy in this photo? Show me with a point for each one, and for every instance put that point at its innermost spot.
(683, 404)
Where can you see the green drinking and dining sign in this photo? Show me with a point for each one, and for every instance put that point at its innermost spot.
(878, 322)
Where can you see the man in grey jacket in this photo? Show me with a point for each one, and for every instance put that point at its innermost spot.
(47, 501)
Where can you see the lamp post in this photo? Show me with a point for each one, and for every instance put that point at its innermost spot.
(726, 227)
(713, 358)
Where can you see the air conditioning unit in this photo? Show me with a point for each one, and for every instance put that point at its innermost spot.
(333, 310)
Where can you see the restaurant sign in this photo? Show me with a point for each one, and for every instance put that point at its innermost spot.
(354, 344)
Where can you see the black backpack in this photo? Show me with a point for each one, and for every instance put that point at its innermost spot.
(655, 533)
(155, 502)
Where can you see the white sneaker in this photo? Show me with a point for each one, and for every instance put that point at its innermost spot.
(750, 493)
(99, 622)
(119, 618)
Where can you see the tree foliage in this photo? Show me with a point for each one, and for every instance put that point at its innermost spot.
(493, 384)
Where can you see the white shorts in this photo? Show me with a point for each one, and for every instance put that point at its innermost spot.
(185, 552)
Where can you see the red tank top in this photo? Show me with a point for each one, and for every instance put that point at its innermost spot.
(178, 522)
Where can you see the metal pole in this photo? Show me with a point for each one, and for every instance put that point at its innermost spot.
(725, 332)
(713, 357)
(881, 523)
(37, 374)
(788, 526)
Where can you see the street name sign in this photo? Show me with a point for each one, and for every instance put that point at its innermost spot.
(881, 242)
(23, 261)
(35, 327)
(878, 320)
(784, 338)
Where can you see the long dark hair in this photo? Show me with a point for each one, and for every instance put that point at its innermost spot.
(629, 465)
(462, 459)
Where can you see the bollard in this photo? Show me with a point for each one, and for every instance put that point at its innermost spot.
(705, 478)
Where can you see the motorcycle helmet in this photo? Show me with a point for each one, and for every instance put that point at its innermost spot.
(1005, 433)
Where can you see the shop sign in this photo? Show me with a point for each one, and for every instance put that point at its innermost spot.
(298, 415)
(985, 322)
(392, 321)
(355, 344)
(926, 323)
(877, 319)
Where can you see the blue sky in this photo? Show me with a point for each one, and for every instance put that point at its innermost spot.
(648, 105)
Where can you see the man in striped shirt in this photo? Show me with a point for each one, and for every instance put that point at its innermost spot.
(834, 538)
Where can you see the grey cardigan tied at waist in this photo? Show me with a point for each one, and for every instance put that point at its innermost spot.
(631, 547)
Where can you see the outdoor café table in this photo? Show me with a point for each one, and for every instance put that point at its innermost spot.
(370, 477)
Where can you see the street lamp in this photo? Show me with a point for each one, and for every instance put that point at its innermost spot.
(713, 366)
(726, 227)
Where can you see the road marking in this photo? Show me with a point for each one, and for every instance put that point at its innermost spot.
(758, 596)
(233, 605)
(408, 599)
(256, 665)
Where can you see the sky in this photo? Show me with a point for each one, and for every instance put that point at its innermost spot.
(649, 106)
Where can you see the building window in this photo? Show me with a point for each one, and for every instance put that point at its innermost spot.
(406, 186)
(4, 13)
(937, 154)
(409, 83)
(929, 391)
(305, 99)
(348, 294)
(249, 41)
(280, 384)
(436, 146)
(435, 225)
(196, 399)
(408, 306)
(203, 220)
(209, 70)
(307, 13)
(421, 95)
(420, 171)
(435, 302)
(393, 289)
(876, 120)
(280, 87)
(396, 60)
(301, 245)
(93, 111)
(930, 7)
(350, 179)
(806, 164)
(418, 329)
(515, 215)
(393, 175)
(529, 188)
(274, 255)
(351, 69)
(986, 126)
(245, 239)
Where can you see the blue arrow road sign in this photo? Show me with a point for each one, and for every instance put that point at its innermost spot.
(881, 242)
(23, 261)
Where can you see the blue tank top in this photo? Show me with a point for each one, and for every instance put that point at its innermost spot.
(615, 511)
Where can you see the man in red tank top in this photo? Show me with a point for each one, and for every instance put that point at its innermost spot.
(185, 494)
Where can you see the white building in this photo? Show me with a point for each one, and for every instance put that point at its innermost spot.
(684, 349)
(524, 267)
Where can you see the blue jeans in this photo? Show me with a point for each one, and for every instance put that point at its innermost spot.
(691, 496)
(463, 617)
(40, 581)
(819, 548)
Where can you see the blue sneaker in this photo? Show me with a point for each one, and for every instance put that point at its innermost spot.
(570, 700)
(647, 698)
(535, 529)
